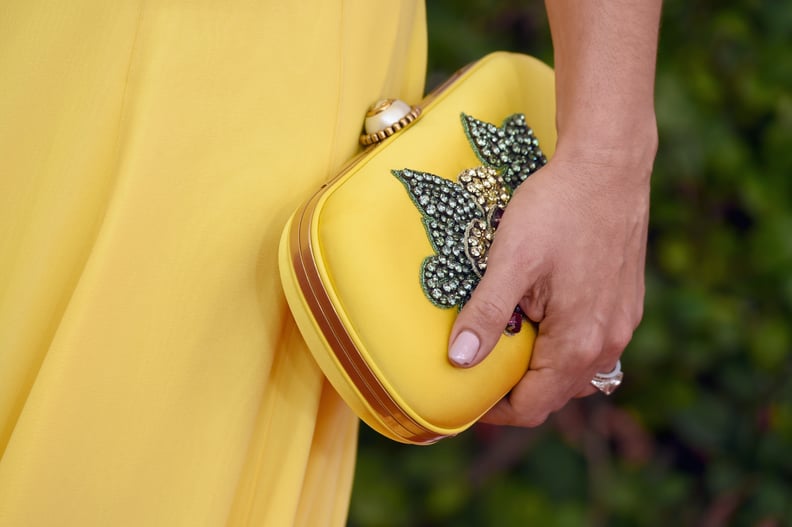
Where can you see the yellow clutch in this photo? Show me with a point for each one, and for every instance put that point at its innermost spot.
(377, 263)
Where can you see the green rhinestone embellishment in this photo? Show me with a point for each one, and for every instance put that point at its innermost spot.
(461, 217)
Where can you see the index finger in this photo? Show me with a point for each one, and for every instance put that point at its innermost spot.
(541, 391)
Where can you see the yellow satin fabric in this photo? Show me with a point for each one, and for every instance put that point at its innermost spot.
(150, 153)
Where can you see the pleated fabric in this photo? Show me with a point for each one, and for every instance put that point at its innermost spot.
(150, 154)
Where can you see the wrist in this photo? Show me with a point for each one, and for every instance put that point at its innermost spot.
(619, 142)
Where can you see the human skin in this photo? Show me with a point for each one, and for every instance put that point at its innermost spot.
(571, 247)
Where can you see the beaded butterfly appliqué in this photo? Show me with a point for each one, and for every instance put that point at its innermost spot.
(461, 217)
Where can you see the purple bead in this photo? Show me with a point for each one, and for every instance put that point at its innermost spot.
(497, 214)
(515, 322)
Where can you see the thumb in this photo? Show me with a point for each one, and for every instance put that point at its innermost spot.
(481, 322)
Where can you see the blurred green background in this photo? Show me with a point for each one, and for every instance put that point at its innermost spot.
(700, 434)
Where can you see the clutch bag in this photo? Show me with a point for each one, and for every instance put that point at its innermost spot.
(377, 263)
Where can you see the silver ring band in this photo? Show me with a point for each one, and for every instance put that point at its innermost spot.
(608, 382)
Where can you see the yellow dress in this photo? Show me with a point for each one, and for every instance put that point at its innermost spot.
(150, 153)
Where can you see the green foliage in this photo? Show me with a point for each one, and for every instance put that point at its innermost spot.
(701, 432)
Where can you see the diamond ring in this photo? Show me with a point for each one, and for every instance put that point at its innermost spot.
(608, 382)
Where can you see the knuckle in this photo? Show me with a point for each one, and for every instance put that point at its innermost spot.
(487, 310)
(638, 315)
(589, 351)
(532, 421)
(527, 413)
(620, 338)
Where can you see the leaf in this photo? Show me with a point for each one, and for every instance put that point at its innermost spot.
(512, 148)
(447, 278)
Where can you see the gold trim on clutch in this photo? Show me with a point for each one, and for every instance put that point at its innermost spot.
(341, 343)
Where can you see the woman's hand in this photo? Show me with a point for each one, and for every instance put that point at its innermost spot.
(571, 247)
(570, 251)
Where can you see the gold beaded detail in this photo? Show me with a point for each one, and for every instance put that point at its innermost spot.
(381, 135)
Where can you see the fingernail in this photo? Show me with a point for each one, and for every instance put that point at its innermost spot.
(464, 348)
